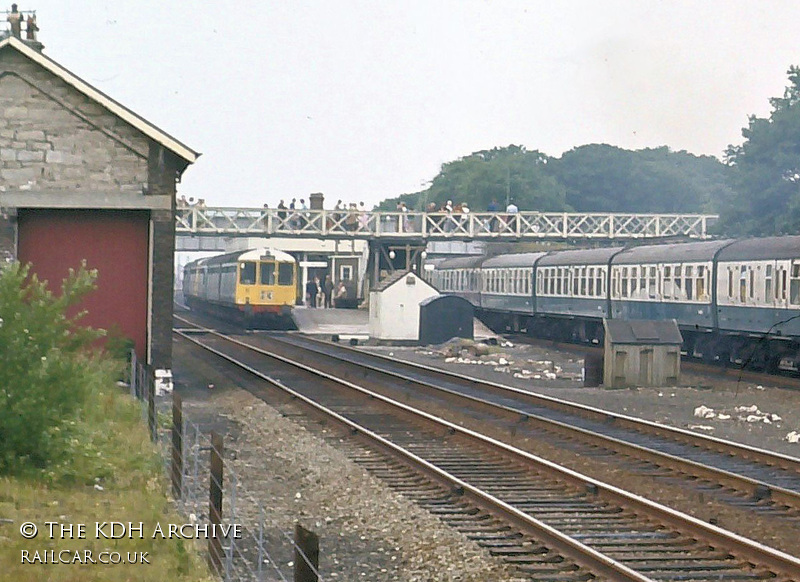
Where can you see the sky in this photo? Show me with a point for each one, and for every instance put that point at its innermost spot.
(365, 100)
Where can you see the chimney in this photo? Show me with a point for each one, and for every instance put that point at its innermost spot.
(22, 25)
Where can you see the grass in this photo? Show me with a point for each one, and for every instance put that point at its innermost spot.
(113, 473)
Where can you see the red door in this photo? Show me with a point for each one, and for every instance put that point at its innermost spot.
(113, 242)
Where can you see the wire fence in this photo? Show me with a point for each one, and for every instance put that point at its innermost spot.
(246, 542)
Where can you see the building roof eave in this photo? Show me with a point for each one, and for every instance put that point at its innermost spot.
(116, 108)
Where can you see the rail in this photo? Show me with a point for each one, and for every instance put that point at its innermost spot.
(731, 557)
(219, 221)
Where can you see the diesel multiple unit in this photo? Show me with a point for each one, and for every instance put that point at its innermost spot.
(736, 301)
(257, 287)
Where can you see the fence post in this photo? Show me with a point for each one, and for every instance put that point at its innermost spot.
(132, 385)
(306, 555)
(177, 445)
(151, 408)
(215, 503)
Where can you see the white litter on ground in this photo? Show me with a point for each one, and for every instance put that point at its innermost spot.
(793, 437)
(700, 427)
(703, 411)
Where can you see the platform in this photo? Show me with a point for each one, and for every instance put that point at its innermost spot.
(332, 321)
(346, 322)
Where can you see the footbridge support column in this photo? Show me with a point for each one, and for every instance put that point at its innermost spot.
(388, 256)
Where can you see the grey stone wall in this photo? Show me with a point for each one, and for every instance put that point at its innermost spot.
(56, 141)
(53, 137)
(8, 237)
(162, 170)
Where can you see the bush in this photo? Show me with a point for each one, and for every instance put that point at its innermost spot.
(47, 369)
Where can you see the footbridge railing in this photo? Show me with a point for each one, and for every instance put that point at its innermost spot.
(217, 221)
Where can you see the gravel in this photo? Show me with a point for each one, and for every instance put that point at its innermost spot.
(367, 531)
(558, 374)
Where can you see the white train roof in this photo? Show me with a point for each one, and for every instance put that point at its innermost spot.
(260, 254)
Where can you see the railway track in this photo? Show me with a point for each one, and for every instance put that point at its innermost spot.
(688, 363)
(551, 523)
(748, 478)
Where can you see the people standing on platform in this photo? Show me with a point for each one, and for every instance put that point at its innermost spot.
(338, 215)
(320, 293)
(311, 292)
(294, 220)
(303, 213)
(363, 218)
(492, 222)
(511, 219)
(281, 215)
(448, 220)
(351, 221)
(341, 295)
(327, 289)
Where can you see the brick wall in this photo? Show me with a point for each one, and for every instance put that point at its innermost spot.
(53, 137)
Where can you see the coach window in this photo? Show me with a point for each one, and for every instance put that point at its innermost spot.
(267, 273)
(782, 279)
(643, 282)
(742, 284)
(624, 281)
(634, 280)
(730, 282)
(247, 273)
(285, 273)
(600, 282)
(666, 291)
(591, 282)
(768, 284)
(559, 279)
(688, 282)
(794, 286)
(700, 286)
(552, 285)
(752, 281)
(651, 283)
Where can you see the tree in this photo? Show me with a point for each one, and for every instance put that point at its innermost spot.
(766, 170)
(605, 178)
(500, 174)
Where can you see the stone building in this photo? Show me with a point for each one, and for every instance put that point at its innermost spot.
(84, 178)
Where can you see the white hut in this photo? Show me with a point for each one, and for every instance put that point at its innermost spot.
(394, 306)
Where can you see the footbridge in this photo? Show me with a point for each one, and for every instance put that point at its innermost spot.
(194, 224)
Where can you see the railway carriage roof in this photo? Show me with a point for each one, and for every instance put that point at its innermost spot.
(775, 247)
(671, 253)
(264, 254)
(579, 257)
(472, 262)
(515, 260)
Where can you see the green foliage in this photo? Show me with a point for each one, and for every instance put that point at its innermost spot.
(591, 178)
(766, 170)
(46, 372)
(498, 174)
(604, 178)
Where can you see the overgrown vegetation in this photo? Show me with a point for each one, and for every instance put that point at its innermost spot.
(73, 447)
(47, 372)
